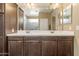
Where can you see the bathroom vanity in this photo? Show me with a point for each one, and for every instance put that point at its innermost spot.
(28, 35)
(41, 43)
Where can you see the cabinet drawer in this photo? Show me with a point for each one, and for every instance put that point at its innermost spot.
(15, 38)
(50, 38)
(66, 38)
(32, 38)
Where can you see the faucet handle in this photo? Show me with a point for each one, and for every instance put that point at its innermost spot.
(27, 31)
(51, 32)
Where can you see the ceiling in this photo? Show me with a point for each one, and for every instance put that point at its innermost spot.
(33, 9)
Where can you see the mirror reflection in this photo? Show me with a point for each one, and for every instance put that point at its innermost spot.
(45, 16)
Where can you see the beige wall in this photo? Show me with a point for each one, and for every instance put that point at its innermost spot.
(75, 23)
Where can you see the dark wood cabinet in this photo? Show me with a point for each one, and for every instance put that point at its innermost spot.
(2, 30)
(15, 48)
(1, 34)
(49, 48)
(1, 45)
(26, 48)
(32, 48)
(1, 24)
(65, 48)
(41, 46)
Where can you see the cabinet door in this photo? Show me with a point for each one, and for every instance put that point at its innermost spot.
(1, 24)
(1, 34)
(1, 45)
(49, 48)
(32, 48)
(15, 48)
(65, 48)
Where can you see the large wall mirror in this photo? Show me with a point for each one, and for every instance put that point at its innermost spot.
(44, 18)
